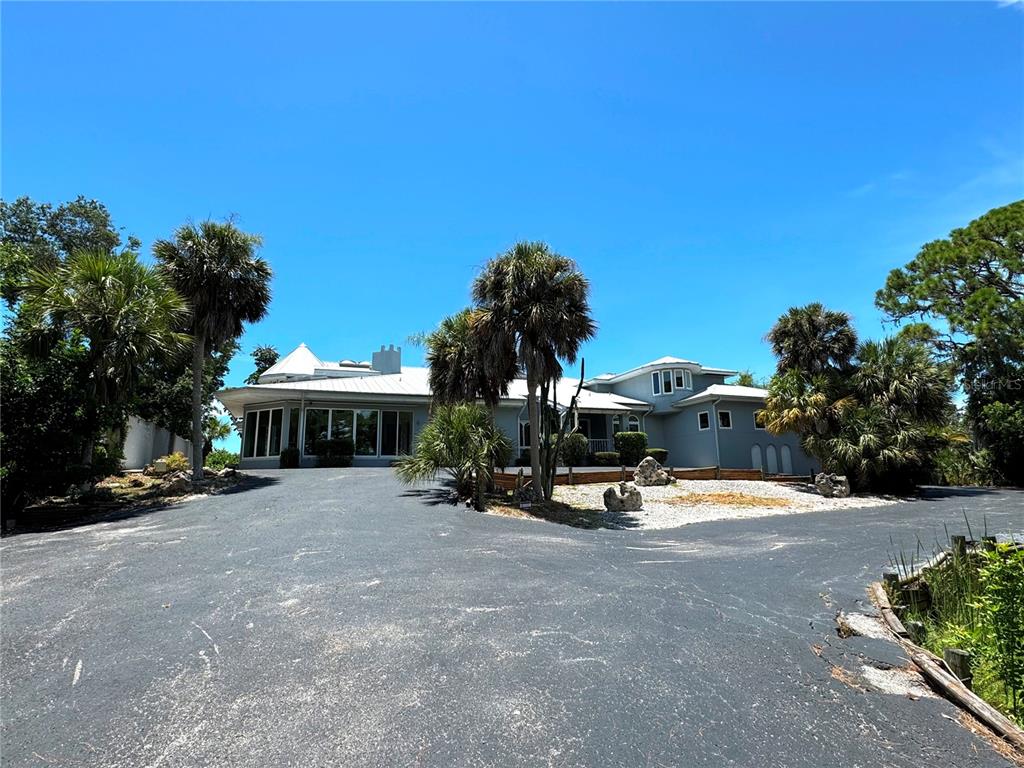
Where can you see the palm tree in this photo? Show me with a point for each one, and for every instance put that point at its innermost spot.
(536, 301)
(214, 265)
(126, 311)
(810, 407)
(214, 429)
(462, 440)
(813, 340)
(467, 362)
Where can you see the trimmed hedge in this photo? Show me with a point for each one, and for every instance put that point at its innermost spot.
(336, 452)
(606, 459)
(631, 447)
(660, 455)
(574, 449)
(289, 458)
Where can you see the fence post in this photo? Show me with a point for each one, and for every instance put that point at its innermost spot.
(622, 474)
(718, 473)
(959, 545)
(571, 481)
(959, 663)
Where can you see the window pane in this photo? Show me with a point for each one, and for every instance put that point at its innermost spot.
(250, 433)
(634, 424)
(656, 383)
(725, 419)
(366, 433)
(275, 431)
(616, 424)
(316, 429)
(680, 380)
(293, 428)
(389, 433)
(666, 382)
(261, 433)
(689, 379)
(404, 433)
(341, 425)
(758, 420)
(703, 420)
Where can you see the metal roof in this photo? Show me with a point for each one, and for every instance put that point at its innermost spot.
(723, 392)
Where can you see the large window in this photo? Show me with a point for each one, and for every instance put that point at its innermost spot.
(262, 433)
(725, 419)
(683, 378)
(317, 424)
(666, 382)
(395, 433)
(656, 382)
(634, 424)
(342, 425)
(367, 423)
(704, 420)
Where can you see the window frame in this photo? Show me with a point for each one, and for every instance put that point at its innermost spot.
(656, 383)
(685, 375)
(756, 427)
(629, 423)
(256, 429)
(727, 413)
(706, 414)
(671, 381)
(616, 423)
(398, 429)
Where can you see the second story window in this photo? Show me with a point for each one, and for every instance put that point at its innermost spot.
(683, 378)
(666, 382)
(656, 382)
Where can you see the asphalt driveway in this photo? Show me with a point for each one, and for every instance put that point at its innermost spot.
(331, 617)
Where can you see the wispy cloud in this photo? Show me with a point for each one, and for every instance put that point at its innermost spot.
(890, 182)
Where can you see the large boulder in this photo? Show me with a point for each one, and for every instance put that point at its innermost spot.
(832, 485)
(649, 472)
(626, 499)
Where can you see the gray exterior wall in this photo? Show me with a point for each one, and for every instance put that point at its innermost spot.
(640, 388)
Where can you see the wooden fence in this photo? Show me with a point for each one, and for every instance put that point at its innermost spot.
(507, 481)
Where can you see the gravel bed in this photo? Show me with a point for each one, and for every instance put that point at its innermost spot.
(663, 507)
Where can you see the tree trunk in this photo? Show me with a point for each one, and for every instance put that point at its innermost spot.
(531, 408)
(198, 363)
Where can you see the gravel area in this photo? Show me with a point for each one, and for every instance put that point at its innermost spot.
(671, 506)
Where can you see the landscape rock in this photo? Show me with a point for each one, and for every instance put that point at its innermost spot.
(176, 486)
(227, 472)
(626, 499)
(136, 482)
(649, 472)
(832, 485)
(159, 467)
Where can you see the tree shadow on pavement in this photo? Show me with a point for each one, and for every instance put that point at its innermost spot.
(59, 517)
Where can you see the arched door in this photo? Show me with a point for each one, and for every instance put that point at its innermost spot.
(755, 457)
(772, 460)
(787, 460)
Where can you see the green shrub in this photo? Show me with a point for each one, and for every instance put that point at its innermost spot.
(220, 458)
(336, 452)
(631, 447)
(106, 460)
(574, 449)
(606, 459)
(462, 440)
(176, 462)
(1002, 610)
(660, 455)
(289, 458)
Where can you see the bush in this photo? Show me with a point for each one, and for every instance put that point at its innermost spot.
(289, 458)
(220, 458)
(176, 462)
(106, 460)
(631, 447)
(336, 452)
(660, 455)
(606, 459)
(574, 449)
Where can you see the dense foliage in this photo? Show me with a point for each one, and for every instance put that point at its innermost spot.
(631, 446)
(966, 294)
(219, 458)
(660, 455)
(878, 416)
(575, 448)
(263, 357)
(463, 441)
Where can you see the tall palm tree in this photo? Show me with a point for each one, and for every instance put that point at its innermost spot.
(214, 265)
(467, 362)
(813, 340)
(126, 311)
(538, 301)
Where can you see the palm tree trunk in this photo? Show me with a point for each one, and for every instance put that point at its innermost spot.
(198, 363)
(531, 408)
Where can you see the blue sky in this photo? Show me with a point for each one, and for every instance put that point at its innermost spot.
(707, 165)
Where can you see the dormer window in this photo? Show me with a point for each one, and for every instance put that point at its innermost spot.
(671, 379)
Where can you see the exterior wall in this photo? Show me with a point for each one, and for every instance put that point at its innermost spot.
(736, 443)
(145, 442)
(687, 446)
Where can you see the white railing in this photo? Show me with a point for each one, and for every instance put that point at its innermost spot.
(601, 444)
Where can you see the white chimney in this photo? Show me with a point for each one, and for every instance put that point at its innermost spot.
(387, 360)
